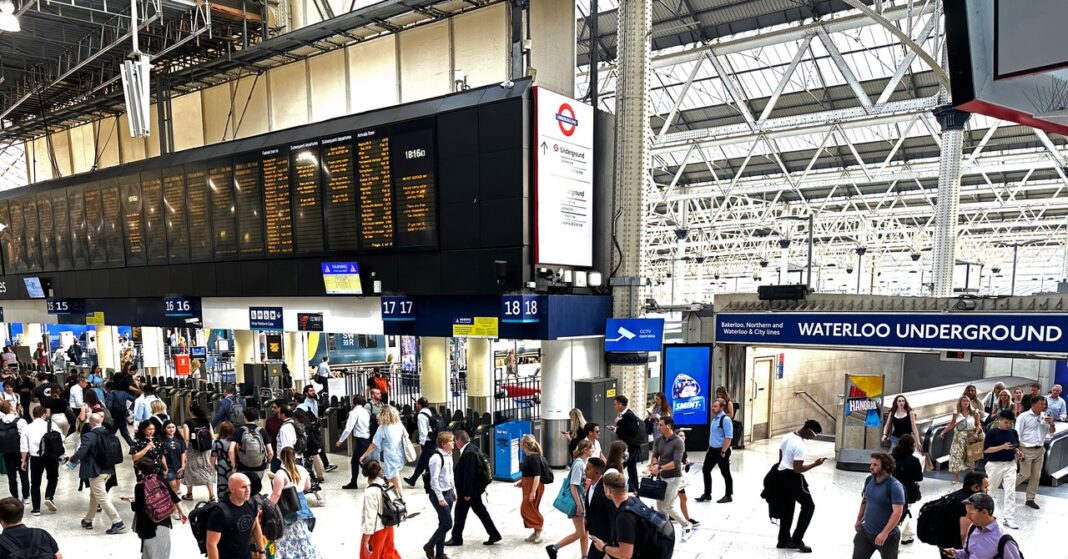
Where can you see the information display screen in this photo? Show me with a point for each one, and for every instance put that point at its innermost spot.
(61, 230)
(32, 233)
(47, 226)
(414, 188)
(278, 203)
(196, 203)
(155, 233)
(376, 189)
(79, 229)
(94, 226)
(112, 230)
(307, 198)
(687, 374)
(174, 214)
(132, 215)
(223, 213)
(248, 193)
(16, 234)
(340, 195)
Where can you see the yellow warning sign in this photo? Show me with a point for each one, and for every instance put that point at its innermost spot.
(477, 327)
(95, 318)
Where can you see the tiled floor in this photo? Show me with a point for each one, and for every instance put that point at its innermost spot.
(737, 530)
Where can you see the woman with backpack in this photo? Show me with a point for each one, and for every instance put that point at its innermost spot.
(576, 511)
(220, 458)
(390, 438)
(910, 473)
(377, 541)
(145, 447)
(287, 491)
(152, 499)
(198, 470)
(533, 489)
(173, 456)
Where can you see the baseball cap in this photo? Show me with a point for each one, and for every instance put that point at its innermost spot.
(981, 501)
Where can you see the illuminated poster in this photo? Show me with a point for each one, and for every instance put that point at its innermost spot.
(864, 395)
(687, 374)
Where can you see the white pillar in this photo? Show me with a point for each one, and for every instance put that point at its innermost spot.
(153, 350)
(245, 351)
(944, 260)
(434, 370)
(784, 262)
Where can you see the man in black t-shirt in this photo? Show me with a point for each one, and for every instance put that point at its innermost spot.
(255, 475)
(17, 536)
(630, 532)
(50, 395)
(234, 524)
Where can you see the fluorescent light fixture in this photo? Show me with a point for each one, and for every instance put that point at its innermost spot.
(9, 22)
(135, 76)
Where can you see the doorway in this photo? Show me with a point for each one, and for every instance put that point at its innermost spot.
(760, 401)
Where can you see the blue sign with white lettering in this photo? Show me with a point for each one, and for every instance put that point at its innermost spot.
(65, 306)
(687, 370)
(181, 307)
(1041, 333)
(520, 309)
(397, 309)
(265, 318)
(633, 334)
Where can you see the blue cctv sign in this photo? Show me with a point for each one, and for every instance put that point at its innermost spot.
(1036, 333)
(633, 334)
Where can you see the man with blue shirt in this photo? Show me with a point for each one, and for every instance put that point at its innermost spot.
(720, 433)
(881, 507)
(985, 534)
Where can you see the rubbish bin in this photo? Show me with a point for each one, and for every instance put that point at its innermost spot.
(506, 454)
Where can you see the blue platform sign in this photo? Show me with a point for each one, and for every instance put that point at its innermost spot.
(1041, 333)
(265, 318)
(687, 374)
(397, 309)
(522, 309)
(633, 334)
(65, 306)
(181, 307)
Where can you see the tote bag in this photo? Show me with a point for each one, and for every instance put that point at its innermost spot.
(565, 501)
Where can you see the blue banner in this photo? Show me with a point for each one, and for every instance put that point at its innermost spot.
(397, 309)
(990, 332)
(687, 370)
(633, 334)
(265, 318)
(520, 309)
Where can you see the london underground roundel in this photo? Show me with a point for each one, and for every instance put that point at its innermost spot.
(565, 119)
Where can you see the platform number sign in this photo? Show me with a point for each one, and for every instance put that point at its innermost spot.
(523, 309)
(65, 306)
(397, 309)
(180, 307)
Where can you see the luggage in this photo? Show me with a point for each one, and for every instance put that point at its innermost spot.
(652, 488)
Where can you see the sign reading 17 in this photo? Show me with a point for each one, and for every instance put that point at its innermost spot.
(394, 307)
(521, 307)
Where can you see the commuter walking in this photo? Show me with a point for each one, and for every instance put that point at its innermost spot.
(322, 374)
(593, 434)
(426, 434)
(1033, 426)
(900, 421)
(143, 403)
(43, 458)
(991, 398)
(118, 400)
(947, 520)
(632, 534)
(967, 427)
(155, 536)
(1056, 406)
(358, 425)
(389, 438)
(667, 465)
(377, 541)
(794, 488)
(287, 436)
(909, 472)
(9, 395)
(33, 542)
(722, 394)
(530, 470)
(235, 523)
(972, 393)
(469, 489)
(294, 480)
(1034, 390)
(1002, 449)
(601, 511)
(617, 458)
(174, 456)
(442, 494)
(572, 503)
(49, 394)
(198, 470)
(13, 447)
(984, 536)
(96, 458)
(720, 435)
(146, 446)
(628, 429)
(249, 452)
(882, 505)
(221, 461)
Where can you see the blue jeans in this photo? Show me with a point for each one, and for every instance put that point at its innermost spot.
(437, 540)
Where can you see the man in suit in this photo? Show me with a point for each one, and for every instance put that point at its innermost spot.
(629, 429)
(600, 510)
(469, 493)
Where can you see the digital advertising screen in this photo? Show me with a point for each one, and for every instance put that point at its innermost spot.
(687, 382)
(34, 288)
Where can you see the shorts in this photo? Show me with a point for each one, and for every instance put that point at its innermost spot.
(172, 475)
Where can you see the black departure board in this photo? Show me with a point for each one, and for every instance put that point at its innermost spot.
(196, 202)
(79, 229)
(277, 202)
(31, 231)
(412, 155)
(47, 231)
(155, 232)
(94, 227)
(133, 219)
(340, 194)
(223, 212)
(174, 214)
(7, 241)
(112, 230)
(307, 198)
(376, 189)
(61, 229)
(248, 194)
(17, 234)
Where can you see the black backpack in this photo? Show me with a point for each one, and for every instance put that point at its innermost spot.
(547, 476)
(434, 425)
(9, 437)
(314, 439)
(302, 436)
(200, 438)
(484, 473)
(426, 474)
(1004, 541)
(933, 525)
(394, 511)
(198, 522)
(37, 549)
(109, 452)
(660, 535)
(51, 443)
(271, 521)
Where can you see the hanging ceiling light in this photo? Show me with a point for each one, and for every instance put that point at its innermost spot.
(8, 21)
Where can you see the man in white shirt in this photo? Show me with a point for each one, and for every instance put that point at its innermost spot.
(593, 434)
(143, 404)
(77, 393)
(792, 481)
(38, 463)
(442, 493)
(1033, 425)
(1058, 409)
(359, 425)
(287, 436)
(322, 373)
(423, 415)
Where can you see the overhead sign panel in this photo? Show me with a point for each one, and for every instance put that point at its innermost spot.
(1038, 333)
(265, 318)
(310, 322)
(181, 307)
(520, 309)
(342, 278)
(65, 306)
(633, 334)
(397, 309)
(563, 167)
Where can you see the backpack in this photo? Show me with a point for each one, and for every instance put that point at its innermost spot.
(237, 410)
(433, 424)
(1005, 539)
(35, 550)
(198, 522)
(109, 453)
(484, 473)
(660, 542)
(253, 451)
(200, 438)
(302, 437)
(9, 437)
(546, 472)
(158, 503)
(71, 355)
(394, 511)
(223, 467)
(426, 474)
(271, 521)
(934, 527)
(51, 443)
(315, 438)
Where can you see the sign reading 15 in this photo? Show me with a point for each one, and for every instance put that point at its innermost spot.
(58, 305)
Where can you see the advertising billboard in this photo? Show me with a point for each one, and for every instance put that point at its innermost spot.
(687, 382)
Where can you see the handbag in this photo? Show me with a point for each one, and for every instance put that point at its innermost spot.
(409, 449)
(652, 488)
(974, 451)
(288, 502)
(565, 501)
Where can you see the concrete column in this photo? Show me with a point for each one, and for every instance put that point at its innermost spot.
(295, 353)
(480, 374)
(553, 44)
(31, 334)
(107, 352)
(153, 350)
(245, 351)
(944, 260)
(562, 363)
(434, 370)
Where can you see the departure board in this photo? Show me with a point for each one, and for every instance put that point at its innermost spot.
(277, 201)
(46, 228)
(223, 213)
(177, 223)
(132, 219)
(376, 189)
(18, 234)
(94, 226)
(61, 229)
(412, 155)
(340, 194)
(248, 194)
(155, 232)
(196, 202)
(307, 198)
(79, 229)
(31, 229)
(112, 230)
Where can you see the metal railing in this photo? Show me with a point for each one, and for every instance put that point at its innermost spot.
(813, 401)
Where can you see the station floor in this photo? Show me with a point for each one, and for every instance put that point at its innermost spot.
(738, 529)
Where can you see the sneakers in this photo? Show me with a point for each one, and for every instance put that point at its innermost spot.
(87, 524)
(50, 505)
(725, 499)
(25, 500)
(36, 512)
(551, 551)
(1011, 524)
(693, 522)
(331, 467)
(116, 528)
(1032, 504)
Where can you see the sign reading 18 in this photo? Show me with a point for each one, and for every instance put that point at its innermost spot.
(391, 307)
(178, 305)
(521, 307)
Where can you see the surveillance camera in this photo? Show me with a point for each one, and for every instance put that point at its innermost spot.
(507, 84)
(682, 233)
(849, 270)
(915, 256)
(192, 320)
(763, 263)
(996, 270)
(716, 276)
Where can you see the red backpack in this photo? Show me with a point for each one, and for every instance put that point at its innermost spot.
(158, 503)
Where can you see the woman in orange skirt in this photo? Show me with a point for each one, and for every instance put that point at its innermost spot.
(533, 489)
(377, 540)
